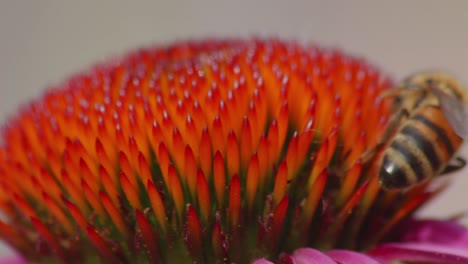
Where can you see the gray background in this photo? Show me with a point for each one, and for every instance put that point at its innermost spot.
(41, 42)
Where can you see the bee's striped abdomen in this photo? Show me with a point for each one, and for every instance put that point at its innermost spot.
(421, 148)
(446, 138)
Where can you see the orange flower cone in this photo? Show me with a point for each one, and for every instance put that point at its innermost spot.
(212, 151)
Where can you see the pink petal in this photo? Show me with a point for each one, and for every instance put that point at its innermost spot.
(433, 231)
(311, 256)
(350, 257)
(430, 253)
(10, 256)
(259, 261)
(12, 260)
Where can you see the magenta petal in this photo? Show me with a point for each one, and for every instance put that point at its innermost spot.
(430, 253)
(12, 260)
(259, 261)
(350, 257)
(311, 256)
(433, 231)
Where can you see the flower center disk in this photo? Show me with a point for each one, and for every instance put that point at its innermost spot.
(201, 151)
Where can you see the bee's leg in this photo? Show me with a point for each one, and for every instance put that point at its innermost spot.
(393, 125)
(454, 167)
(394, 122)
(392, 92)
(400, 91)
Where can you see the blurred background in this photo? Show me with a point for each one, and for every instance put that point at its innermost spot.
(42, 42)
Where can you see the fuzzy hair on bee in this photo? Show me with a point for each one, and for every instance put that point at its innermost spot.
(426, 131)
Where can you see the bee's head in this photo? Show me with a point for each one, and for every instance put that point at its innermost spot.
(441, 81)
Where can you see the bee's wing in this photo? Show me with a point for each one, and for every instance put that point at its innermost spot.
(455, 112)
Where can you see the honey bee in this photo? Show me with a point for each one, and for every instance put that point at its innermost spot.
(428, 129)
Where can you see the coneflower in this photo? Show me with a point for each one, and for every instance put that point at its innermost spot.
(213, 152)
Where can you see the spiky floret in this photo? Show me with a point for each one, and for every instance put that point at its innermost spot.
(213, 151)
